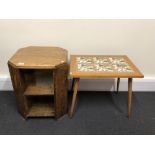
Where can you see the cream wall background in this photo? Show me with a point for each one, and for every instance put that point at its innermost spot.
(135, 38)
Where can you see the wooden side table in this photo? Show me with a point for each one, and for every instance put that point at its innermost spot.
(39, 77)
(103, 66)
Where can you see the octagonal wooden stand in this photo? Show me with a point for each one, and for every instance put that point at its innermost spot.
(39, 78)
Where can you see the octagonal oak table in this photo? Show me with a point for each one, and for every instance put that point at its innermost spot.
(40, 80)
(102, 66)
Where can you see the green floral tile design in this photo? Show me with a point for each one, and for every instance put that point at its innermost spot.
(102, 64)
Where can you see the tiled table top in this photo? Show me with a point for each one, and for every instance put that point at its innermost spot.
(103, 66)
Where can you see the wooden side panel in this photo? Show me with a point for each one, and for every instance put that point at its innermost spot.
(61, 89)
(19, 88)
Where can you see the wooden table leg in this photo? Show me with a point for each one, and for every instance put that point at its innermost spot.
(129, 97)
(72, 84)
(75, 89)
(118, 83)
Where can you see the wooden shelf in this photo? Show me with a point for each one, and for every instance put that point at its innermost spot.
(41, 110)
(39, 90)
(39, 76)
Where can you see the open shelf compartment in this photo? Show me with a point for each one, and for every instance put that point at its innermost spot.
(39, 77)
(38, 82)
(40, 106)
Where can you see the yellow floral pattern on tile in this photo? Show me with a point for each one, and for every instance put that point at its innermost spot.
(102, 64)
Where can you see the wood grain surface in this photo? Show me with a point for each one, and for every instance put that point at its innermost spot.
(39, 57)
(75, 73)
(40, 81)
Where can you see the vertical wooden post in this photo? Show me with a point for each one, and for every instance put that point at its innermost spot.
(129, 97)
(19, 88)
(118, 83)
(61, 90)
(75, 89)
(72, 84)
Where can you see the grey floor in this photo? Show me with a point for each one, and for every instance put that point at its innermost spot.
(96, 113)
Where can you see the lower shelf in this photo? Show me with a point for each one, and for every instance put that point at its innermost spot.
(40, 107)
(38, 90)
(41, 110)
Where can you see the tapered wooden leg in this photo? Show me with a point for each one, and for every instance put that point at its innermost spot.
(129, 97)
(72, 84)
(118, 83)
(75, 89)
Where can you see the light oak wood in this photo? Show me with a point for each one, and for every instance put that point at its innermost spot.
(129, 97)
(75, 89)
(75, 73)
(72, 84)
(39, 57)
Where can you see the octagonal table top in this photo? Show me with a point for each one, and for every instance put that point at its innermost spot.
(38, 57)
